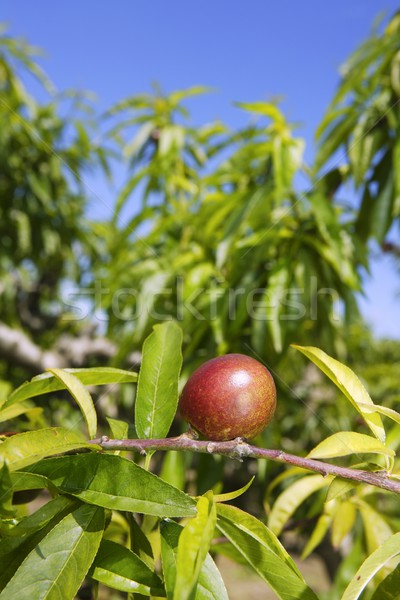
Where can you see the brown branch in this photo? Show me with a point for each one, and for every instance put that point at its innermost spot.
(239, 449)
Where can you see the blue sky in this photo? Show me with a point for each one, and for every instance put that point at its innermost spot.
(247, 51)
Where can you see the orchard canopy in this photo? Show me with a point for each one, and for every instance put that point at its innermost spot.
(210, 227)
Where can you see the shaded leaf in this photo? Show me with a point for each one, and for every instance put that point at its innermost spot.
(15, 548)
(291, 498)
(121, 569)
(6, 492)
(388, 588)
(389, 550)
(343, 522)
(57, 566)
(263, 552)
(210, 585)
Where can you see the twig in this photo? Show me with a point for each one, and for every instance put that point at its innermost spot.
(240, 449)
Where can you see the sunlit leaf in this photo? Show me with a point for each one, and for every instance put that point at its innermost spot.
(130, 488)
(194, 543)
(348, 383)
(47, 382)
(157, 393)
(232, 495)
(210, 585)
(23, 449)
(82, 397)
(344, 443)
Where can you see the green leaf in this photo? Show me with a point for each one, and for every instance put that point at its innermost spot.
(173, 469)
(119, 429)
(383, 203)
(339, 487)
(389, 550)
(383, 410)
(157, 393)
(232, 495)
(343, 522)
(57, 566)
(130, 488)
(23, 408)
(344, 443)
(320, 530)
(263, 552)
(15, 548)
(82, 397)
(266, 109)
(291, 498)
(210, 584)
(6, 493)
(349, 385)
(23, 449)
(41, 517)
(178, 95)
(121, 569)
(47, 382)
(29, 481)
(377, 530)
(388, 588)
(194, 543)
(277, 286)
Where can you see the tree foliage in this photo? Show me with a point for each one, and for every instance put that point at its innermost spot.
(212, 248)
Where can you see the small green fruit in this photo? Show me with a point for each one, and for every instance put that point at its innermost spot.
(229, 396)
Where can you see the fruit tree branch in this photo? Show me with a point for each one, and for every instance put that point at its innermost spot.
(240, 449)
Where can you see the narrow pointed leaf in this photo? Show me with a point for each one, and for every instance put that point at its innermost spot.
(382, 410)
(15, 548)
(121, 569)
(117, 483)
(57, 566)
(263, 552)
(47, 382)
(232, 495)
(210, 585)
(157, 393)
(6, 492)
(388, 588)
(82, 397)
(194, 543)
(344, 443)
(343, 522)
(26, 448)
(291, 498)
(389, 550)
(348, 383)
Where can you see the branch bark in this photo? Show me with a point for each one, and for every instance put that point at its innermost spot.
(240, 449)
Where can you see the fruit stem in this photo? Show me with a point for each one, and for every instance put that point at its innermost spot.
(240, 449)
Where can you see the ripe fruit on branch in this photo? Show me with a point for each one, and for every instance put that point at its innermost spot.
(229, 396)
